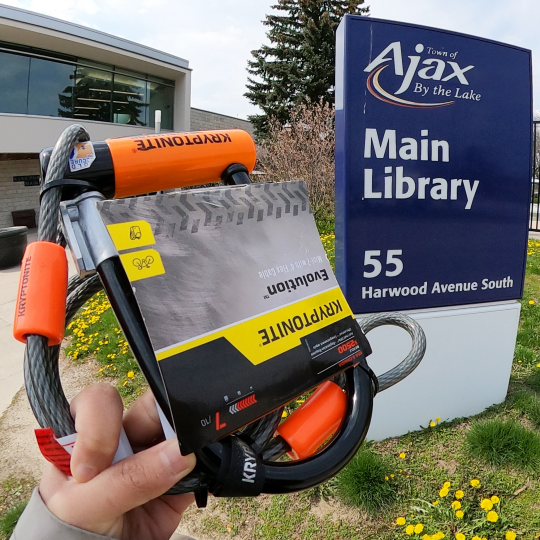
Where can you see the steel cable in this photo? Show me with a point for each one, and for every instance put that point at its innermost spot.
(418, 348)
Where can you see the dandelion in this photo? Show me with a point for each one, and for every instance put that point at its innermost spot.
(124, 383)
(495, 499)
(438, 536)
(492, 516)
(418, 528)
(459, 514)
(446, 485)
(486, 504)
(402, 455)
(460, 536)
(100, 370)
(531, 302)
(475, 483)
(409, 530)
(443, 493)
(476, 538)
(435, 503)
(438, 418)
(456, 505)
(401, 520)
(130, 374)
(459, 494)
(510, 535)
(427, 537)
(391, 476)
(386, 477)
(432, 424)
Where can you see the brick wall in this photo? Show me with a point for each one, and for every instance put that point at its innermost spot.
(15, 195)
(201, 120)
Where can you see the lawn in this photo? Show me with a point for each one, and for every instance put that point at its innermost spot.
(470, 479)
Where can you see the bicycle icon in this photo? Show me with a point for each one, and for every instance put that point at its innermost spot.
(143, 263)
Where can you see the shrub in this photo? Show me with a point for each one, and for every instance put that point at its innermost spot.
(303, 149)
(501, 442)
(366, 481)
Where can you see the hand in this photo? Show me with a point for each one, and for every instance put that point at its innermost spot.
(124, 500)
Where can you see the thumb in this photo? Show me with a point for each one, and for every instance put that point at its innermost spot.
(134, 481)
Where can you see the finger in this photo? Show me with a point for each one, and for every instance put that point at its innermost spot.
(141, 422)
(98, 419)
(128, 484)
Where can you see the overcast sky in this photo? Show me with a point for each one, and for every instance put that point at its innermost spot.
(216, 36)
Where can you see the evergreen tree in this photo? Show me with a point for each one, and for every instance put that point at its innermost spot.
(299, 62)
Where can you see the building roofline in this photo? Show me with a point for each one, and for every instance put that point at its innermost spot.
(220, 114)
(83, 32)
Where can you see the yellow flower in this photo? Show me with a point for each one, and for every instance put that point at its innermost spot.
(418, 528)
(130, 374)
(409, 530)
(446, 485)
(438, 418)
(459, 514)
(427, 537)
(486, 504)
(456, 505)
(443, 493)
(510, 535)
(401, 520)
(391, 476)
(460, 536)
(432, 423)
(438, 536)
(531, 302)
(386, 477)
(124, 383)
(100, 370)
(475, 482)
(402, 455)
(492, 516)
(495, 499)
(459, 494)
(435, 503)
(476, 538)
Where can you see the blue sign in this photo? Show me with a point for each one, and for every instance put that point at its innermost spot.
(433, 166)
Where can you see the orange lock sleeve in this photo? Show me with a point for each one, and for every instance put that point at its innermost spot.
(309, 426)
(41, 300)
(149, 163)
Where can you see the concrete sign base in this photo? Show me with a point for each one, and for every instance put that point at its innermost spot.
(465, 370)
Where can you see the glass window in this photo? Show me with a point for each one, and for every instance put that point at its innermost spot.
(161, 98)
(130, 104)
(92, 94)
(14, 83)
(50, 88)
(44, 83)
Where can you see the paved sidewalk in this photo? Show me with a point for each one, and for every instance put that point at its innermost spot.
(12, 351)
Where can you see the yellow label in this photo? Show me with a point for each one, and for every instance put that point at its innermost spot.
(132, 234)
(265, 336)
(142, 264)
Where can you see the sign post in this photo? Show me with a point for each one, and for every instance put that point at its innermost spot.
(433, 170)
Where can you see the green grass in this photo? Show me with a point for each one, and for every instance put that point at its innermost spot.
(9, 519)
(368, 481)
(504, 442)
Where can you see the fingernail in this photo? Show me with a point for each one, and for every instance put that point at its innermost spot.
(84, 472)
(174, 460)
